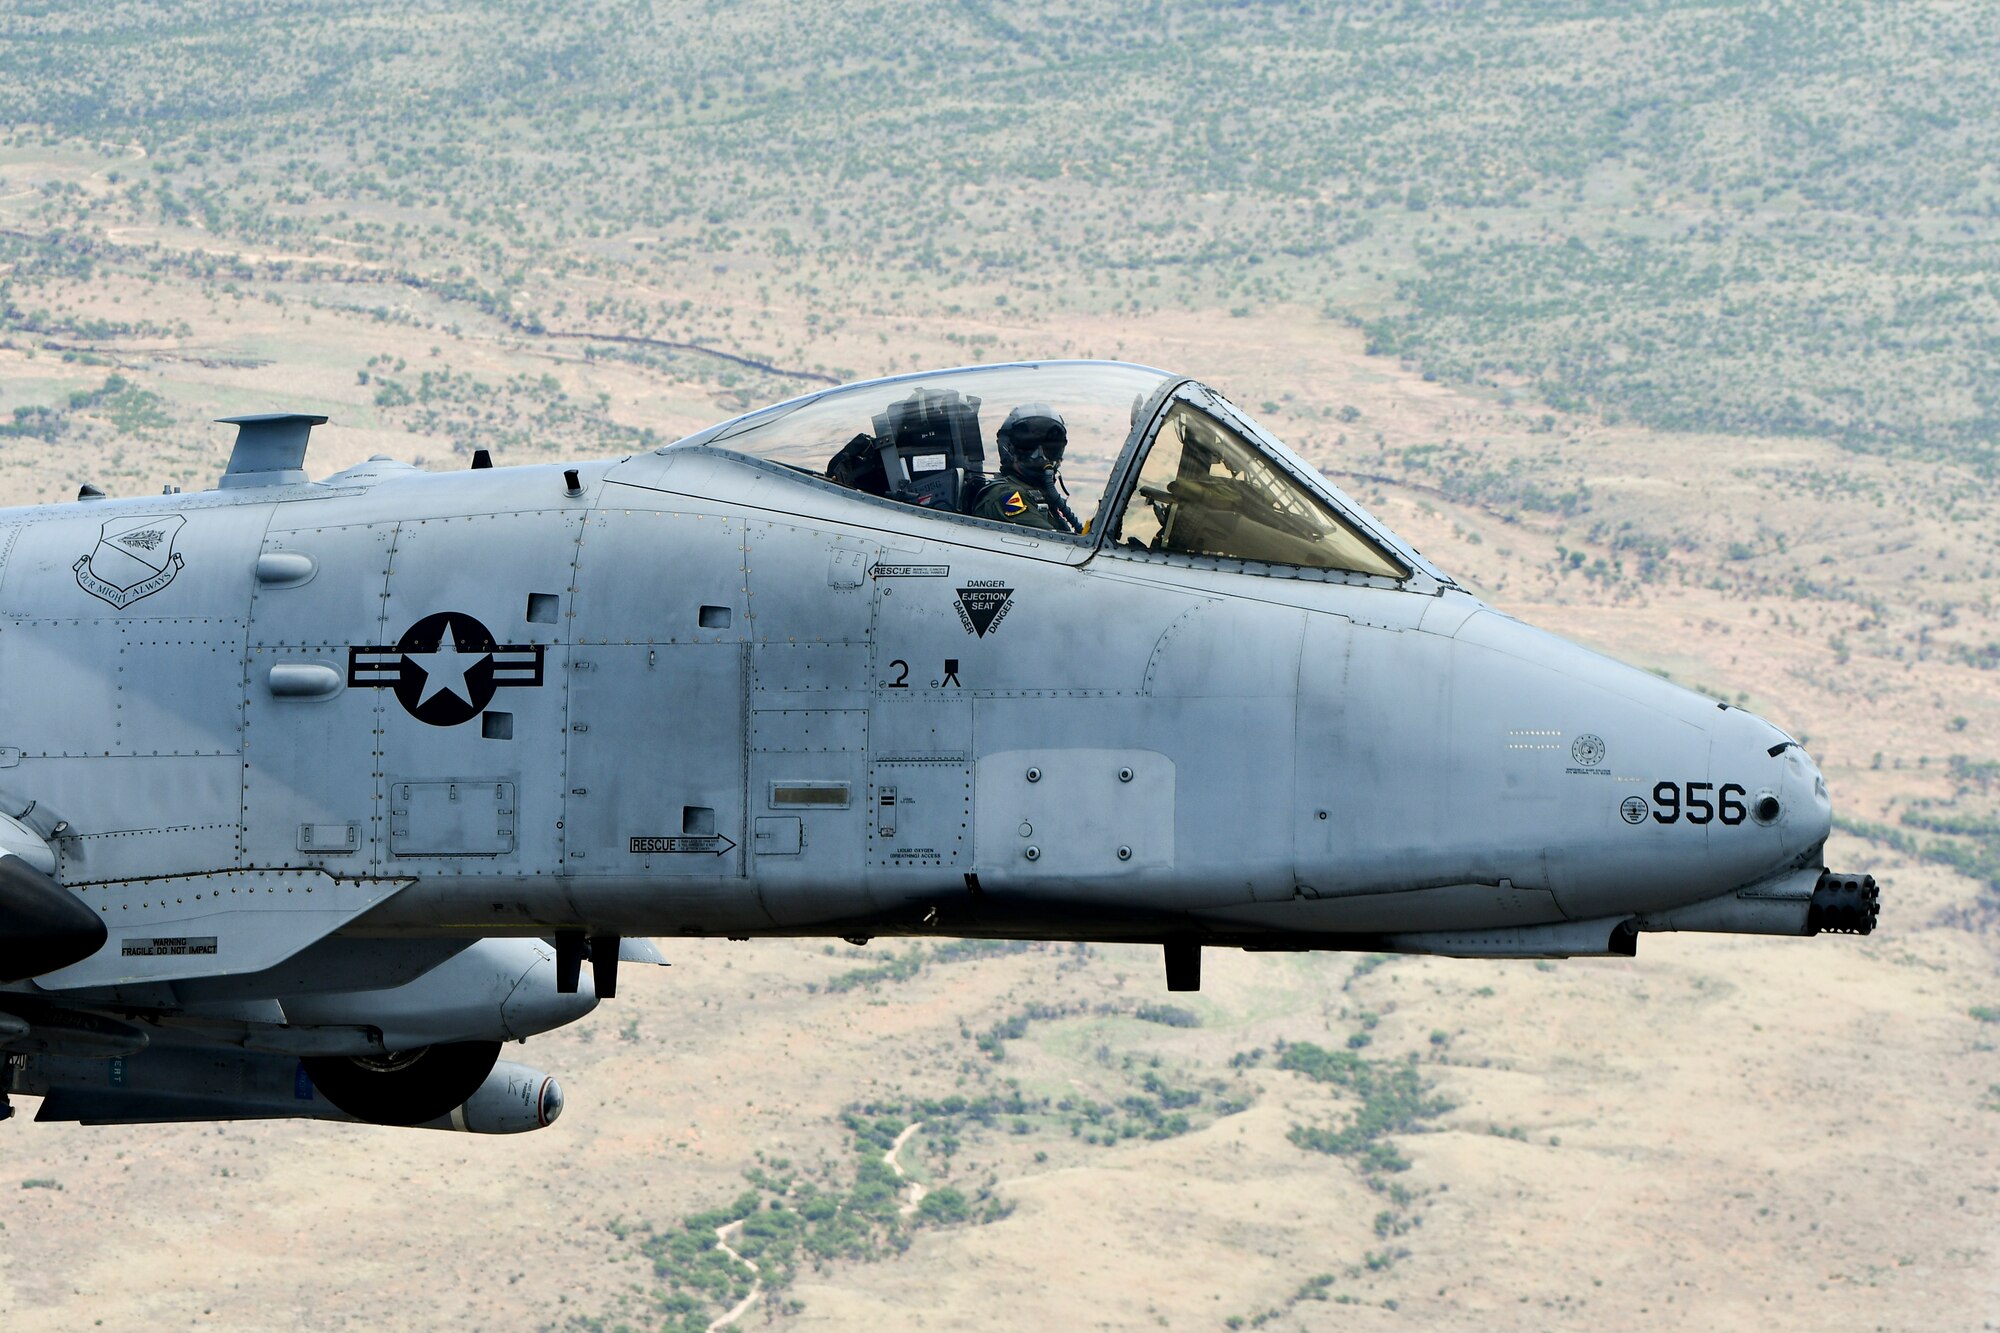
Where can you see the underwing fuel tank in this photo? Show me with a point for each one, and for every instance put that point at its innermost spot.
(178, 1081)
(513, 1100)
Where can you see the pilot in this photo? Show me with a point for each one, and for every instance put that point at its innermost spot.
(1031, 442)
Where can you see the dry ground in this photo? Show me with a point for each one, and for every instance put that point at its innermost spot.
(1718, 1133)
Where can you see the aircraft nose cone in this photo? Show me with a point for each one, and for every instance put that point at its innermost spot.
(1784, 802)
(1807, 809)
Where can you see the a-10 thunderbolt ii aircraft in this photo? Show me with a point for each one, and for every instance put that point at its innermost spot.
(312, 793)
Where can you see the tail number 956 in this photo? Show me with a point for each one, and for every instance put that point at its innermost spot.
(1699, 803)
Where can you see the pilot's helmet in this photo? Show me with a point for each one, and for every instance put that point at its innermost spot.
(1031, 440)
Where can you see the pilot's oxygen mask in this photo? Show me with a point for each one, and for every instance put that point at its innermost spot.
(1032, 441)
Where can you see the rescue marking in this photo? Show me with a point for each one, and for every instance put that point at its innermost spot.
(460, 670)
(712, 844)
(134, 558)
(983, 604)
(910, 572)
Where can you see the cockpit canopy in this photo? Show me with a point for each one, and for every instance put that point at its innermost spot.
(1157, 466)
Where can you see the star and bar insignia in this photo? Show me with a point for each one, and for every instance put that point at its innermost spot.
(446, 668)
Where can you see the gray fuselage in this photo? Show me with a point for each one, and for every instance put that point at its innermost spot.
(705, 695)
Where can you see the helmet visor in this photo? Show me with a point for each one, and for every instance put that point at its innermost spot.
(1039, 436)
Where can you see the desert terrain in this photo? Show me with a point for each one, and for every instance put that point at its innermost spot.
(1774, 484)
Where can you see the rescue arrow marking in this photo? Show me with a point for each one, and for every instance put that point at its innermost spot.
(716, 844)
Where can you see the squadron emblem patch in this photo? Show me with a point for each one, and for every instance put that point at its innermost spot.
(1014, 505)
(446, 668)
(134, 559)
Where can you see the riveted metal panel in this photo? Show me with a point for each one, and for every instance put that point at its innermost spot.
(139, 816)
(130, 617)
(920, 813)
(341, 603)
(645, 575)
(1059, 814)
(656, 732)
(108, 688)
(808, 585)
(809, 729)
(466, 683)
(486, 565)
(214, 925)
(180, 687)
(804, 675)
(469, 817)
(311, 760)
(75, 712)
(133, 558)
(812, 764)
(949, 619)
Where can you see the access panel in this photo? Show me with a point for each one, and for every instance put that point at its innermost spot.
(311, 742)
(656, 760)
(468, 818)
(468, 671)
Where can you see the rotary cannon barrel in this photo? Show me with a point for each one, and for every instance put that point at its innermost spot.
(1844, 904)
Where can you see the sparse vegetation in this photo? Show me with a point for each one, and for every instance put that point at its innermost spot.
(1395, 1099)
(916, 958)
(1169, 1015)
(1663, 250)
(1560, 226)
(791, 1218)
(1966, 826)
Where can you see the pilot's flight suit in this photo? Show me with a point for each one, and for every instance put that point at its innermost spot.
(1012, 500)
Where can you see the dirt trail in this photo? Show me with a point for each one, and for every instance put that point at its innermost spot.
(917, 1189)
(722, 1233)
(741, 1307)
